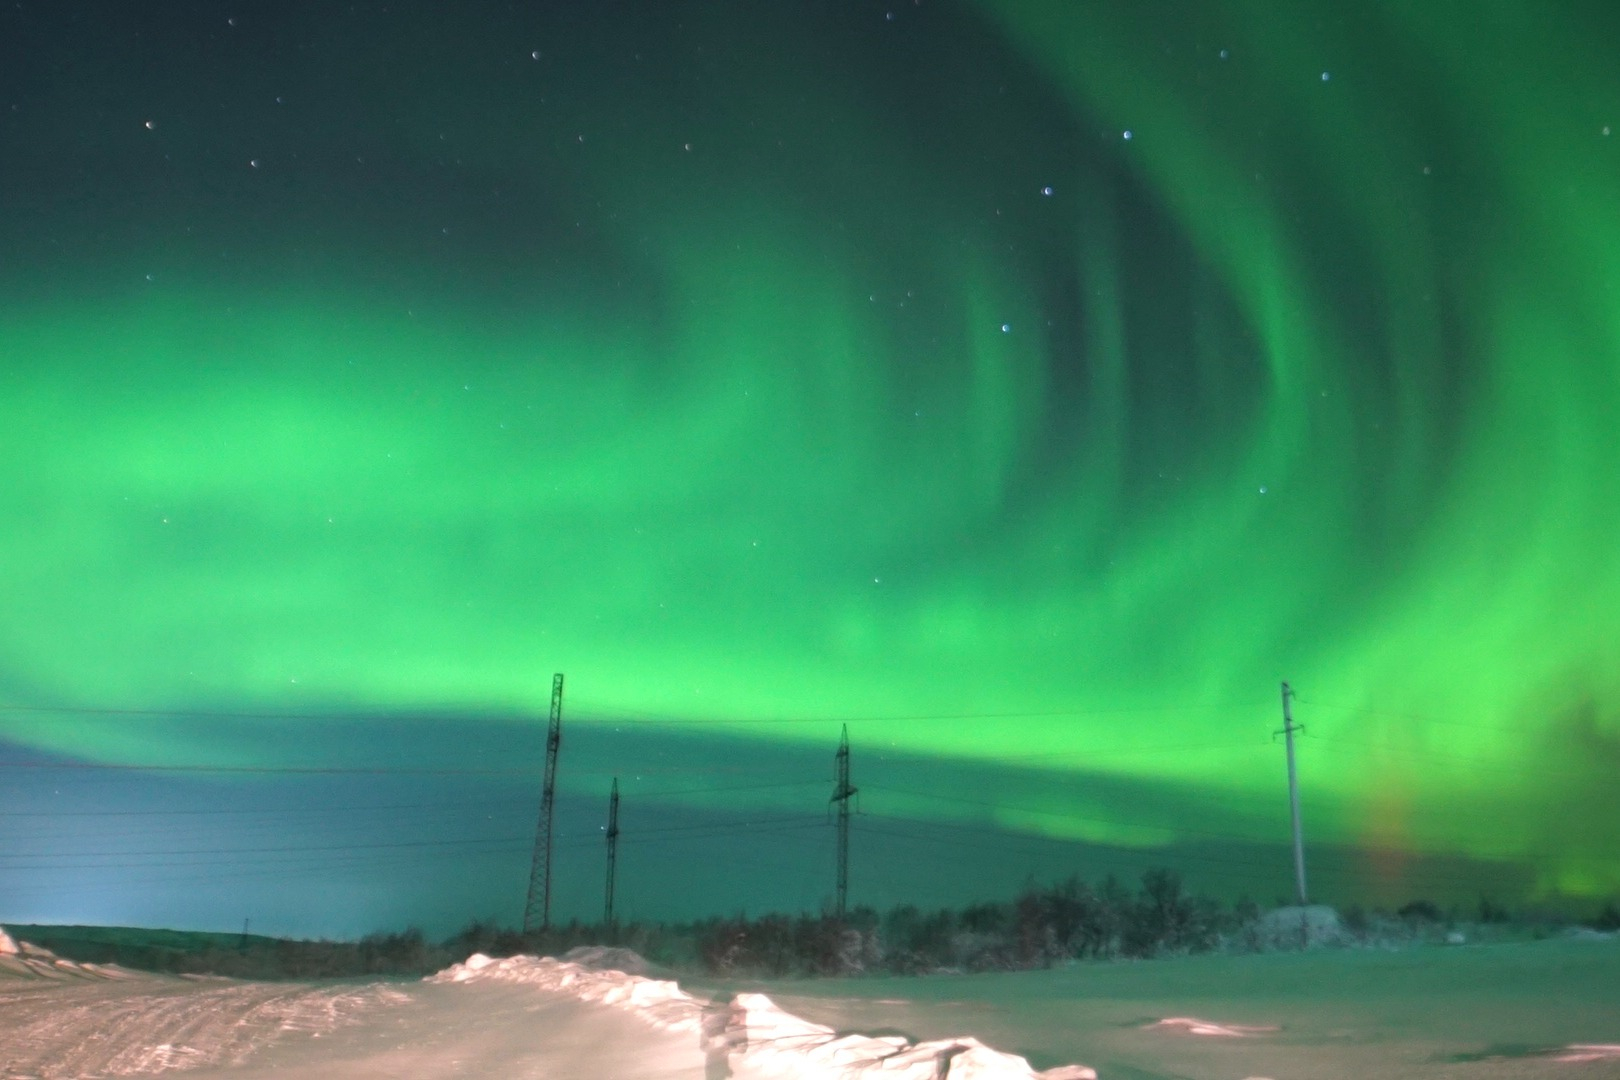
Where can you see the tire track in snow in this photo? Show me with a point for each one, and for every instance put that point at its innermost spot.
(149, 1025)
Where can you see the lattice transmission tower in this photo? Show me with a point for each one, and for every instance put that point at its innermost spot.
(842, 792)
(537, 907)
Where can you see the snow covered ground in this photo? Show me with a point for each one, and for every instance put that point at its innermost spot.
(1546, 1009)
(1472, 1012)
(516, 1018)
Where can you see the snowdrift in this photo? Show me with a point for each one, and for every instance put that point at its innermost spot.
(750, 1034)
(20, 960)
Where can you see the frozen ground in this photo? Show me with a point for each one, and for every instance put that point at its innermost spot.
(1475, 1012)
(517, 1018)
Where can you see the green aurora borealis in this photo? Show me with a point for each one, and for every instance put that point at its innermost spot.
(1088, 367)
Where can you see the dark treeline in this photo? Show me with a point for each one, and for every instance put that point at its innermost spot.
(1066, 921)
(1070, 920)
(406, 953)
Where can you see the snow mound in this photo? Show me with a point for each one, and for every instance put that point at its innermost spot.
(659, 1002)
(22, 960)
(607, 958)
(751, 1034)
(754, 1033)
(1194, 1026)
(1582, 1052)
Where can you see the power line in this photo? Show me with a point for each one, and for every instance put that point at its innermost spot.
(1247, 875)
(341, 853)
(722, 826)
(738, 787)
(726, 828)
(1228, 867)
(1064, 815)
(263, 850)
(507, 845)
(1133, 751)
(1331, 864)
(608, 714)
(218, 714)
(1410, 717)
(366, 807)
(217, 810)
(319, 770)
(1414, 877)
(412, 822)
(600, 714)
(122, 882)
(1491, 764)
(1328, 857)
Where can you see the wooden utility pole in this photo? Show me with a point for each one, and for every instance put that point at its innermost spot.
(612, 853)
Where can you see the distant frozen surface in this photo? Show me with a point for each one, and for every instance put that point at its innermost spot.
(1528, 1010)
(1471, 1012)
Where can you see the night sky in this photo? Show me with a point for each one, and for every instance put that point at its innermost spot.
(1031, 386)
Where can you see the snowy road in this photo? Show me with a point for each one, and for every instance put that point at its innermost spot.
(485, 1031)
(149, 1025)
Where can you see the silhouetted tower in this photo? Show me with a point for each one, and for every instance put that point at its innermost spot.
(613, 852)
(1289, 727)
(841, 795)
(538, 903)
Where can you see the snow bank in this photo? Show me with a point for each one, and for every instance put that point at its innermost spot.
(22, 960)
(1194, 1026)
(758, 1038)
(659, 1002)
(750, 1034)
(608, 958)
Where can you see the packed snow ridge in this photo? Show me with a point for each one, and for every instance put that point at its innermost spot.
(749, 1033)
(19, 959)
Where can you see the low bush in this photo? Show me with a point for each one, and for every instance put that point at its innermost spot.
(1421, 911)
